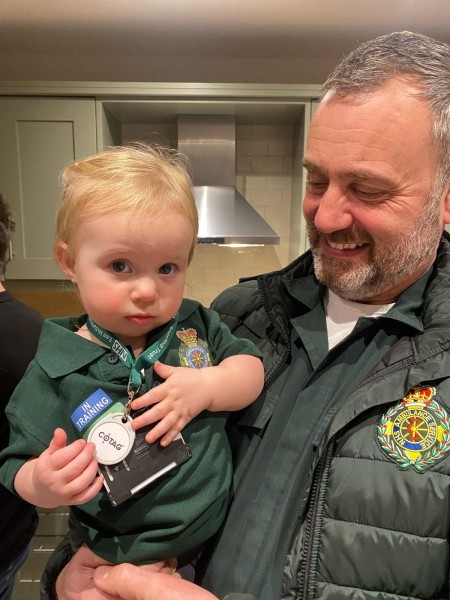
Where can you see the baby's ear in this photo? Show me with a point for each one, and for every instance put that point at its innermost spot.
(65, 260)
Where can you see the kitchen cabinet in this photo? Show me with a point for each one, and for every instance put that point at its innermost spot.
(40, 136)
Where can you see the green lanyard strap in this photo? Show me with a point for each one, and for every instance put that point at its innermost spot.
(145, 360)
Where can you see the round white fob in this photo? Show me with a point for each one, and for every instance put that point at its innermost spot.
(113, 438)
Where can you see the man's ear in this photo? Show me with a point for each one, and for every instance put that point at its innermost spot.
(446, 205)
(66, 261)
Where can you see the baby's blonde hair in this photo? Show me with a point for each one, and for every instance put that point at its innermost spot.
(138, 179)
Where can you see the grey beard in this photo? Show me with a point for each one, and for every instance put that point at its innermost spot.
(386, 266)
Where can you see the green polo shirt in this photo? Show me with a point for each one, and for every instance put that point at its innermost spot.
(168, 518)
(276, 440)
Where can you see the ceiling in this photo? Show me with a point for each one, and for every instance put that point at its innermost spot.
(290, 41)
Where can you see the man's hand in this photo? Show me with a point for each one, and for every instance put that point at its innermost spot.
(128, 582)
(76, 580)
(62, 475)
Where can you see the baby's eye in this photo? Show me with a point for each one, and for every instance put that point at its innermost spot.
(120, 266)
(167, 269)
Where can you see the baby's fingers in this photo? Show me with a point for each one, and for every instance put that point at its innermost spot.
(152, 415)
(85, 459)
(170, 425)
(169, 437)
(58, 441)
(153, 396)
(88, 492)
(84, 486)
(58, 458)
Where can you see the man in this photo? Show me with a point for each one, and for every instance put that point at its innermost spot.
(342, 467)
(20, 327)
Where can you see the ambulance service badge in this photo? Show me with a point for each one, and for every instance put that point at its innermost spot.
(416, 431)
(193, 352)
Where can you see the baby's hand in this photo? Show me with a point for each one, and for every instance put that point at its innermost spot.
(64, 475)
(185, 393)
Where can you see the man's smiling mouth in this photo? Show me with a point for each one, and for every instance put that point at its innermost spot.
(337, 246)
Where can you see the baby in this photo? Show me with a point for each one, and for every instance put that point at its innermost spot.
(141, 357)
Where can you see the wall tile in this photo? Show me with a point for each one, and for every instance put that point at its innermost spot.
(264, 197)
(282, 182)
(256, 182)
(252, 148)
(268, 164)
(279, 148)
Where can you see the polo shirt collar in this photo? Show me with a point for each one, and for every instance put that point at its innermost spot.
(408, 308)
(308, 293)
(60, 352)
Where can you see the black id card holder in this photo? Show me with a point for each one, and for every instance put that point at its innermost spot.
(144, 465)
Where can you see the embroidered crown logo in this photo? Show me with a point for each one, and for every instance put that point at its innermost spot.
(193, 352)
(416, 431)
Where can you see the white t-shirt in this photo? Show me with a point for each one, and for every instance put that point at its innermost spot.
(343, 314)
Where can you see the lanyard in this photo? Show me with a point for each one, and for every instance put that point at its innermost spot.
(145, 360)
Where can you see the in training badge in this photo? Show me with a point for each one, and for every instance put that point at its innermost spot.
(416, 431)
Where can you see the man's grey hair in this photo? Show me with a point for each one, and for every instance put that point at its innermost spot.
(414, 57)
(7, 226)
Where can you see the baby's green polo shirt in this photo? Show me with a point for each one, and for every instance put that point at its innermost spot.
(177, 513)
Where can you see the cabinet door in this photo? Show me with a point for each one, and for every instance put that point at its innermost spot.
(39, 137)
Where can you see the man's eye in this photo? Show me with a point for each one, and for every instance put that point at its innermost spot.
(368, 194)
(120, 266)
(167, 269)
(316, 187)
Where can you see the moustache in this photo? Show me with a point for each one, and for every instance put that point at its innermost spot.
(347, 236)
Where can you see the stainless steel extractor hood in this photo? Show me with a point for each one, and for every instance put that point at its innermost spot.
(225, 216)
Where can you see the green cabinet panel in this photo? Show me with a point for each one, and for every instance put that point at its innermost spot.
(40, 136)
